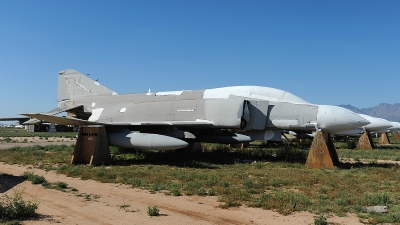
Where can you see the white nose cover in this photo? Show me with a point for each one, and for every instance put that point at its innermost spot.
(335, 119)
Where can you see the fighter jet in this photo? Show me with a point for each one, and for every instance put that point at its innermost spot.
(173, 119)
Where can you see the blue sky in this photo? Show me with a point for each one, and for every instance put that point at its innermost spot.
(326, 52)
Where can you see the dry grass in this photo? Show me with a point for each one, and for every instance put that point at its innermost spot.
(277, 180)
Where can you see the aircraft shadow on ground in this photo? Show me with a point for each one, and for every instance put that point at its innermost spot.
(207, 159)
(351, 165)
(212, 159)
(8, 182)
(388, 147)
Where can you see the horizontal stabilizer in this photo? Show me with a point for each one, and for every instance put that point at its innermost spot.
(61, 120)
(50, 113)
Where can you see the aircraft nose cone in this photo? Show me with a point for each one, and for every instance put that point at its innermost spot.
(395, 127)
(334, 119)
(376, 124)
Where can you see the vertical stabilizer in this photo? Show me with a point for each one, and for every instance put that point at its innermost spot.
(72, 84)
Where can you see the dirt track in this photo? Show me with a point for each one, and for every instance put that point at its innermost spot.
(69, 208)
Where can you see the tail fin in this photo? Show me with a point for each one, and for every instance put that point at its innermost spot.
(72, 84)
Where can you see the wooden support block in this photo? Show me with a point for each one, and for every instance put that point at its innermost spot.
(240, 145)
(322, 152)
(365, 141)
(384, 139)
(191, 148)
(92, 146)
(396, 135)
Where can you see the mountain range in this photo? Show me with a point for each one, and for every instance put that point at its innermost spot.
(387, 111)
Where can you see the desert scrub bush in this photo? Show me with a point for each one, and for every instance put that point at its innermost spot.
(100, 172)
(35, 179)
(15, 208)
(211, 192)
(376, 199)
(174, 189)
(7, 139)
(283, 202)
(351, 144)
(124, 206)
(61, 185)
(277, 182)
(153, 211)
(320, 220)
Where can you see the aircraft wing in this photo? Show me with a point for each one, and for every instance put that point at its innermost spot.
(61, 120)
(78, 122)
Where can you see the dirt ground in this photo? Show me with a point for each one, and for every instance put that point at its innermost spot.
(104, 203)
(30, 141)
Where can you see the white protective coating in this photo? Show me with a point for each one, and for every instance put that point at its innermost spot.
(335, 119)
(353, 132)
(257, 92)
(376, 124)
(395, 127)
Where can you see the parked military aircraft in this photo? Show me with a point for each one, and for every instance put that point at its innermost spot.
(171, 120)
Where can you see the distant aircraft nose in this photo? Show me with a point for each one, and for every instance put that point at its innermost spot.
(376, 124)
(334, 119)
(395, 127)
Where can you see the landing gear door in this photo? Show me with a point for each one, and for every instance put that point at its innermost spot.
(257, 115)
